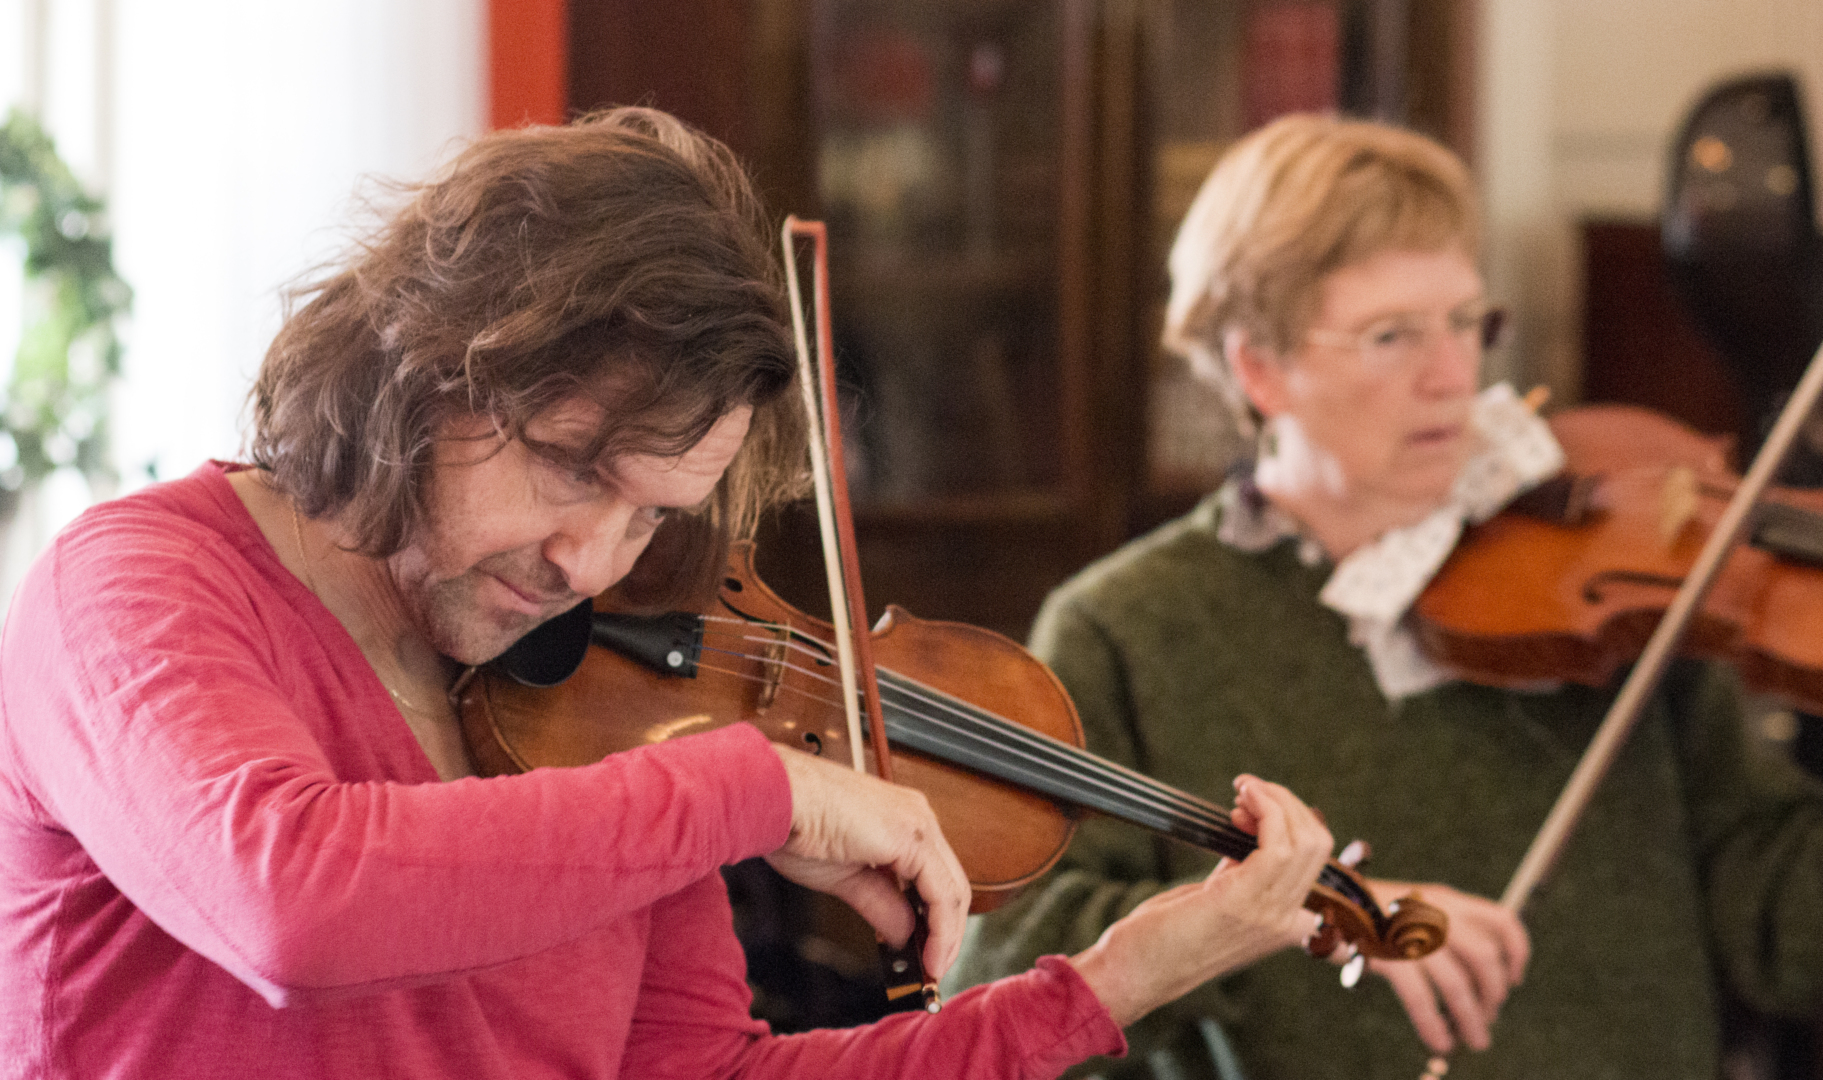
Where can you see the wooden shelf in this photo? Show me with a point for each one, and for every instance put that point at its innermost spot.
(995, 508)
(941, 278)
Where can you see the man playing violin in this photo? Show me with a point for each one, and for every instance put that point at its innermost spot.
(1325, 281)
(238, 831)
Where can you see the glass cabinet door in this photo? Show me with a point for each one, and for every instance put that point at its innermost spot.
(938, 170)
(1216, 69)
(1194, 98)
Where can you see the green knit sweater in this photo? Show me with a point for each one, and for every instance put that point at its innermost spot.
(1700, 860)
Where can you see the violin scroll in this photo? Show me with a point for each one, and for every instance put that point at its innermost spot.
(1418, 929)
(1408, 929)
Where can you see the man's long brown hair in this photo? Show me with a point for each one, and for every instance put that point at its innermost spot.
(623, 258)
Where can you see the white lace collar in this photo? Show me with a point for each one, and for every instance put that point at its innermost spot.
(1376, 584)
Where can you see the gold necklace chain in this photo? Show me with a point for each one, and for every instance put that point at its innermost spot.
(297, 533)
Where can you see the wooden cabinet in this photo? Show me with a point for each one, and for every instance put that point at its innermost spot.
(1001, 179)
(975, 165)
(1640, 345)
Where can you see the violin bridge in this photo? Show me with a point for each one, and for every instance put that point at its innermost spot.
(1677, 503)
(772, 663)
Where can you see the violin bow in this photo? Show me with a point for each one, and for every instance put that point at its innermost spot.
(842, 568)
(1606, 744)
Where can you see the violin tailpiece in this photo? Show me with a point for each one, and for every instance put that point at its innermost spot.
(1565, 499)
(1790, 532)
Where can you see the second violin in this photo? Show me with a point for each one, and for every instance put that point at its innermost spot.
(1574, 594)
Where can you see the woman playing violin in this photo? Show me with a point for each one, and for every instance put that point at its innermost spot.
(1325, 280)
(238, 831)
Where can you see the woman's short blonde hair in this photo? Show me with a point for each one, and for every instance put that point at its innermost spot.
(1288, 204)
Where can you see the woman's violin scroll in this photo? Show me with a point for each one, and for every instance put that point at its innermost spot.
(1006, 792)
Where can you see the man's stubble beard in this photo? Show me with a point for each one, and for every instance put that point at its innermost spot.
(458, 625)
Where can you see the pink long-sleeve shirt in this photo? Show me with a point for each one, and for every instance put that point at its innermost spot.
(223, 854)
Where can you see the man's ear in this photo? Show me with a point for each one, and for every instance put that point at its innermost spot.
(1259, 372)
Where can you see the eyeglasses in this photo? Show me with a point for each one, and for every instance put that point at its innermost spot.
(1402, 340)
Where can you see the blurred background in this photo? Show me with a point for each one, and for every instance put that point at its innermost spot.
(1001, 179)
(228, 143)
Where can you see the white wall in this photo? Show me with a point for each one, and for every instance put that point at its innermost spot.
(243, 131)
(1579, 101)
(228, 137)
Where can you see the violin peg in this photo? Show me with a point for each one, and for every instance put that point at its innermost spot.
(1356, 853)
(1351, 971)
(1325, 940)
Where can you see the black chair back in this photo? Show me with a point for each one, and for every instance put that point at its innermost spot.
(1740, 239)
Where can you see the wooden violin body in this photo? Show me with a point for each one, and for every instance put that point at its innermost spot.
(1524, 600)
(1006, 794)
(782, 682)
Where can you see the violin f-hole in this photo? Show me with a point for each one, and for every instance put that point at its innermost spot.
(1592, 588)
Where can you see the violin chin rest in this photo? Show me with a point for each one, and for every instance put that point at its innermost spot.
(552, 651)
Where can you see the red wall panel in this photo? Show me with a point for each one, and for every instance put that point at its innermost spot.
(528, 62)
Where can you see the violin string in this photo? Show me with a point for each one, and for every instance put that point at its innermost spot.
(1036, 748)
(1036, 741)
(1073, 758)
(1041, 744)
(1071, 761)
(1211, 819)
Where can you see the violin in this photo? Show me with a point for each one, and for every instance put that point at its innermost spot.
(1571, 586)
(1007, 792)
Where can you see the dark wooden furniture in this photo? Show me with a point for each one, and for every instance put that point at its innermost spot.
(1001, 179)
(1639, 344)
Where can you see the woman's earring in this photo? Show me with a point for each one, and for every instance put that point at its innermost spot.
(1268, 447)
